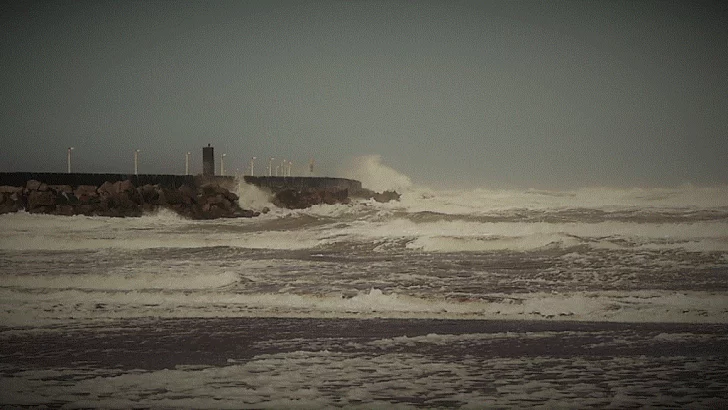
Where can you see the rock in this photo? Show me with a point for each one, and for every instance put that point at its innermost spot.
(63, 198)
(214, 200)
(171, 196)
(265, 210)
(32, 185)
(66, 210)
(85, 190)
(106, 189)
(149, 194)
(231, 196)
(88, 199)
(10, 189)
(387, 196)
(37, 199)
(9, 207)
(161, 197)
(335, 196)
(123, 199)
(124, 186)
(42, 209)
(246, 213)
(189, 195)
(86, 209)
(58, 189)
(293, 199)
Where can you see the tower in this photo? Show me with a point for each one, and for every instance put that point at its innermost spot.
(208, 161)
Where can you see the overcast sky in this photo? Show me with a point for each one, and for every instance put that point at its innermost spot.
(545, 94)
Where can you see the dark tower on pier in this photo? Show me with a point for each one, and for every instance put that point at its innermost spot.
(208, 161)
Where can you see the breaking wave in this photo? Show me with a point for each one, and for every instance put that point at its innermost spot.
(376, 176)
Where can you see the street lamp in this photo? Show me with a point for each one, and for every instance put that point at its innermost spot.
(270, 167)
(283, 168)
(136, 161)
(187, 163)
(222, 165)
(290, 164)
(69, 159)
(252, 165)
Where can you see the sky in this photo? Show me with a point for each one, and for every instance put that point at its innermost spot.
(542, 94)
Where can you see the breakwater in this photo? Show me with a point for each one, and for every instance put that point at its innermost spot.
(19, 179)
(273, 184)
(119, 195)
(197, 197)
(302, 192)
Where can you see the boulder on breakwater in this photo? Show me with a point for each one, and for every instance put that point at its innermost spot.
(122, 199)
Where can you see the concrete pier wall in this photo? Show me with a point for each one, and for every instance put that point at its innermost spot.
(274, 184)
(76, 179)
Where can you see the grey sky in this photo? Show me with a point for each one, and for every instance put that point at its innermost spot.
(508, 93)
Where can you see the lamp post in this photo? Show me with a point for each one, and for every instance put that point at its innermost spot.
(69, 159)
(290, 164)
(222, 164)
(252, 165)
(270, 167)
(136, 161)
(187, 163)
(283, 168)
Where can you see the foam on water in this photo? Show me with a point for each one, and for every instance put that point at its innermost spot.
(163, 230)
(135, 280)
(462, 236)
(483, 200)
(83, 303)
(252, 197)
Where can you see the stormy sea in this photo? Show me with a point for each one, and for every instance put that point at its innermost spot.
(479, 298)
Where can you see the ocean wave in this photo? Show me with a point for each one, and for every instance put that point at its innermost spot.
(122, 281)
(605, 306)
(485, 201)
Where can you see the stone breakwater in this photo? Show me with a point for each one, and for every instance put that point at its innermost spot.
(122, 199)
(198, 197)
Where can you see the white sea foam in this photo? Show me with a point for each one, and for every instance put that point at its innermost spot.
(163, 230)
(167, 230)
(479, 201)
(18, 309)
(456, 236)
(374, 175)
(252, 197)
(135, 280)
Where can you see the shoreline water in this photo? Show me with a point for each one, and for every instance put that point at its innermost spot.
(327, 363)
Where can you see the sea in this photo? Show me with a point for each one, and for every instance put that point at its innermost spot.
(468, 298)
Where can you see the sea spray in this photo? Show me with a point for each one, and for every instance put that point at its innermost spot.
(376, 176)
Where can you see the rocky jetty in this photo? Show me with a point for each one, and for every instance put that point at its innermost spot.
(122, 199)
(385, 196)
(300, 199)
